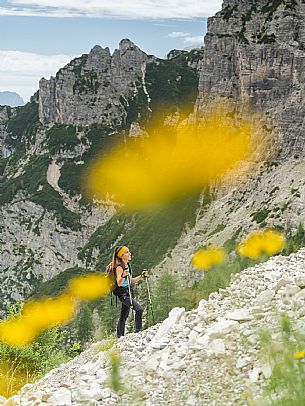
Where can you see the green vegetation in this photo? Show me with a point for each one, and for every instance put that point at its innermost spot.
(78, 65)
(87, 83)
(285, 355)
(3, 162)
(172, 85)
(61, 137)
(21, 129)
(23, 124)
(21, 365)
(84, 324)
(295, 239)
(115, 376)
(58, 284)
(136, 106)
(34, 182)
(218, 229)
(245, 18)
(228, 11)
(151, 234)
(101, 139)
(260, 215)
(261, 37)
(165, 297)
(230, 244)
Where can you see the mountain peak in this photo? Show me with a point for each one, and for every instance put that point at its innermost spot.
(12, 99)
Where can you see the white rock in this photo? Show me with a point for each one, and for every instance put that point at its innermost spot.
(62, 397)
(191, 401)
(202, 306)
(242, 362)
(96, 391)
(264, 297)
(173, 318)
(193, 335)
(254, 374)
(37, 395)
(288, 292)
(222, 328)
(82, 395)
(101, 375)
(217, 347)
(203, 341)
(152, 364)
(300, 295)
(87, 378)
(253, 339)
(86, 368)
(248, 332)
(13, 401)
(299, 281)
(239, 315)
(106, 393)
(266, 370)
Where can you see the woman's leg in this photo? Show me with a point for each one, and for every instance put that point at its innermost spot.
(122, 320)
(124, 314)
(139, 312)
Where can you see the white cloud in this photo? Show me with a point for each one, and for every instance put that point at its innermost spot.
(188, 39)
(178, 34)
(194, 41)
(135, 9)
(21, 71)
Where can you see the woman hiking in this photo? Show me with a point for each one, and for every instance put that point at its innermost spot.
(121, 271)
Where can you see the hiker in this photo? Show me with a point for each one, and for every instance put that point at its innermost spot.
(121, 271)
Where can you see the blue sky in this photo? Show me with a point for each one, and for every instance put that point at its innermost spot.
(37, 37)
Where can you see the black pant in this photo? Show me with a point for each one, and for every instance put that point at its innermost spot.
(124, 298)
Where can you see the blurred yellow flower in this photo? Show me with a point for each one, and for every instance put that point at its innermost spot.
(36, 317)
(205, 258)
(48, 313)
(17, 332)
(170, 162)
(299, 355)
(268, 241)
(90, 287)
(40, 315)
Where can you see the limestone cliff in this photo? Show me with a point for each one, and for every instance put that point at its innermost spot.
(254, 53)
(93, 88)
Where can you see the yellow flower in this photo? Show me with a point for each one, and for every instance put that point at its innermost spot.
(90, 287)
(36, 317)
(171, 161)
(51, 312)
(299, 355)
(205, 258)
(17, 332)
(268, 241)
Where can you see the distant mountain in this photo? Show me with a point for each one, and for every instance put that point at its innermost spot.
(11, 99)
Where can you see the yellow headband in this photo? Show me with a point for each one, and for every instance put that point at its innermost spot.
(122, 251)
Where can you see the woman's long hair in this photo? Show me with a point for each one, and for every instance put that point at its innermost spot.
(115, 262)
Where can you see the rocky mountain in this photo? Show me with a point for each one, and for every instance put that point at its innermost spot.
(212, 354)
(253, 58)
(46, 146)
(94, 89)
(12, 99)
(254, 53)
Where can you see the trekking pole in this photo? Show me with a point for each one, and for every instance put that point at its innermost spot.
(149, 300)
(130, 297)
